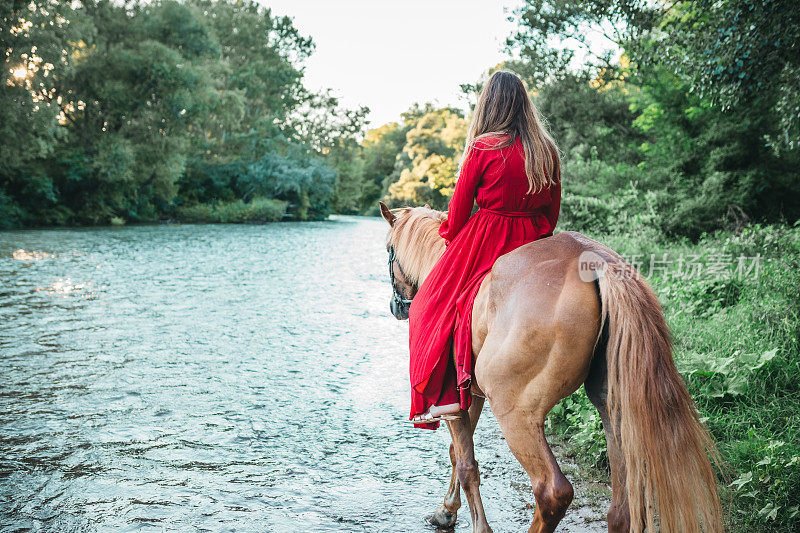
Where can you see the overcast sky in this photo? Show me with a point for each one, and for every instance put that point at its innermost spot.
(389, 54)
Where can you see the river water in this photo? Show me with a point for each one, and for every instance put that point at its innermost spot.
(221, 378)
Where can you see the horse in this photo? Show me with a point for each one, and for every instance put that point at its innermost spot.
(550, 316)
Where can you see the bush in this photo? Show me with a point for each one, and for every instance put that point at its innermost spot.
(10, 212)
(628, 211)
(259, 210)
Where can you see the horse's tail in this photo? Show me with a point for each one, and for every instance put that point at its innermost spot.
(665, 445)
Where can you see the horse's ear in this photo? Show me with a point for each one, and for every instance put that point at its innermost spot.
(427, 206)
(388, 216)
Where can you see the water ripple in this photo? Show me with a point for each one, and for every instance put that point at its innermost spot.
(216, 378)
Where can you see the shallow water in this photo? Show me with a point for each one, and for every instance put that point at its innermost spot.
(221, 378)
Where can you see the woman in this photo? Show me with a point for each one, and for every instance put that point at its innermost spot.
(511, 167)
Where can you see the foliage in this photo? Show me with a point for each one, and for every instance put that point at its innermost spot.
(630, 210)
(735, 52)
(731, 51)
(429, 161)
(714, 166)
(709, 160)
(131, 110)
(413, 162)
(381, 149)
(258, 210)
(576, 419)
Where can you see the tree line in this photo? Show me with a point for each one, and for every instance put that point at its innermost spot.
(196, 110)
(140, 111)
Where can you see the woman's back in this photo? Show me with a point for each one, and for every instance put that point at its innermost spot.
(504, 184)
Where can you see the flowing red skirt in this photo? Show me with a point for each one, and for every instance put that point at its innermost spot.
(440, 318)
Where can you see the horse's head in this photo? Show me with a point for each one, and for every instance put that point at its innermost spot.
(414, 246)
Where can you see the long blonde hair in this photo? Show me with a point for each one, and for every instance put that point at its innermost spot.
(504, 108)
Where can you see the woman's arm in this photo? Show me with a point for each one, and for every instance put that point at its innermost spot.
(555, 205)
(555, 197)
(460, 207)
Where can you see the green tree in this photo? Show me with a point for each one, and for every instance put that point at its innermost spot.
(708, 165)
(333, 132)
(738, 53)
(429, 163)
(137, 110)
(380, 149)
(255, 140)
(712, 168)
(37, 38)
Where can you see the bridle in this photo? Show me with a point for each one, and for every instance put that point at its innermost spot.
(398, 300)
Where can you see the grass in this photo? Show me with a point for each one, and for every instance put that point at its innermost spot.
(736, 336)
(258, 210)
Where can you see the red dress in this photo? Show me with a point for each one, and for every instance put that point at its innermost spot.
(441, 313)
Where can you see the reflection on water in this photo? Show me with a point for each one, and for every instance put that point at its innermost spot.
(217, 378)
(24, 255)
(63, 287)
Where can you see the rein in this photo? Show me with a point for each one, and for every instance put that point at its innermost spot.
(396, 296)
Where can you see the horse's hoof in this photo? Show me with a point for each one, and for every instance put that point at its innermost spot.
(442, 518)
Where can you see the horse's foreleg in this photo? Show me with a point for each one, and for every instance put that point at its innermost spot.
(466, 468)
(445, 515)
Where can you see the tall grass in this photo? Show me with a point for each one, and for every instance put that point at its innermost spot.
(258, 210)
(736, 331)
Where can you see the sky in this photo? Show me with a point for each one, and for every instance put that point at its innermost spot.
(388, 55)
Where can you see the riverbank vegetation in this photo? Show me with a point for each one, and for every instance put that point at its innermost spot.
(140, 111)
(143, 111)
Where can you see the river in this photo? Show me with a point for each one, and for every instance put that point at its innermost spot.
(223, 378)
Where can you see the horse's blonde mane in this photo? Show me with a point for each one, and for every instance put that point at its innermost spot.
(416, 241)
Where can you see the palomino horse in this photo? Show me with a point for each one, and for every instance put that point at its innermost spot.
(550, 316)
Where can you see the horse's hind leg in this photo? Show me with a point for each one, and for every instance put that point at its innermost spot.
(445, 515)
(524, 432)
(596, 385)
(467, 469)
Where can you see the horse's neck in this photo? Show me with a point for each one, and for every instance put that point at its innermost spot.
(431, 257)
